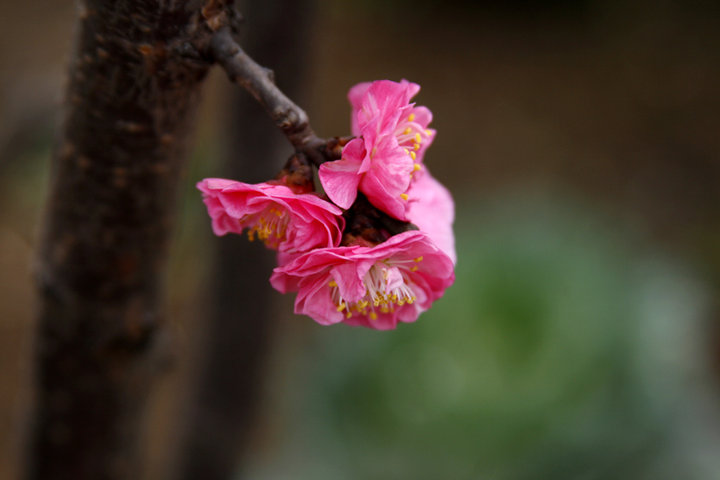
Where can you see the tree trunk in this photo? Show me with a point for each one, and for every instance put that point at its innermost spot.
(134, 86)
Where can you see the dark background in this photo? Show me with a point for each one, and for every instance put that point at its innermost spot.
(581, 339)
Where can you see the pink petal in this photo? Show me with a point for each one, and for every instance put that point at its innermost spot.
(387, 180)
(349, 278)
(340, 181)
(310, 274)
(394, 280)
(314, 300)
(432, 209)
(423, 116)
(308, 221)
(411, 89)
(355, 95)
(340, 178)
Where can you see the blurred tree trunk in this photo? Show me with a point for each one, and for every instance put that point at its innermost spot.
(228, 383)
(134, 85)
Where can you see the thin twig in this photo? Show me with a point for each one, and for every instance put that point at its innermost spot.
(259, 81)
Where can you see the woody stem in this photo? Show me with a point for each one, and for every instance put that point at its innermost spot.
(259, 82)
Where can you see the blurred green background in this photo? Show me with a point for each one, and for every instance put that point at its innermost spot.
(559, 353)
(580, 340)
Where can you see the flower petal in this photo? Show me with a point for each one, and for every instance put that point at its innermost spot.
(432, 209)
(340, 180)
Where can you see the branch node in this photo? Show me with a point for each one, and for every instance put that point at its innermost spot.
(270, 74)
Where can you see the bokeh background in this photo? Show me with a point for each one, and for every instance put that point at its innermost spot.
(581, 340)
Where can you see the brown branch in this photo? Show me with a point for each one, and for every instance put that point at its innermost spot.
(259, 81)
(363, 219)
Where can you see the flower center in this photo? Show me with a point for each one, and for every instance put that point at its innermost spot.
(410, 134)
(387, 286)
(269, 226)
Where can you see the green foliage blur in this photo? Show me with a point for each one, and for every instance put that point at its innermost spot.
(560, 353)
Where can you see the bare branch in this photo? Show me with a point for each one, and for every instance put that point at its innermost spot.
(259, 81)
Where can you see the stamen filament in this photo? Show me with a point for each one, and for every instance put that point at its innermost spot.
(379, 295)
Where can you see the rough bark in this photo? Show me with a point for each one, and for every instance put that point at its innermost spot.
(134, 85)
(223, 409)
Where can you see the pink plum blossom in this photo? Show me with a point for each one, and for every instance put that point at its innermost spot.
(389, 102)
(273, 213)
(432, 210)
(375, 287)
(392, 138)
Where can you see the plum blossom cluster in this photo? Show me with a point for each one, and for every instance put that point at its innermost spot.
(377, 248)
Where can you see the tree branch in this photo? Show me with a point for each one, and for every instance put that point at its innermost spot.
(259, 81)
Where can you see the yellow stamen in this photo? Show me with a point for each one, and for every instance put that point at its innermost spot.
(418, 259)
(380, 295)
(418, 138)
(417, 166)
(407, 130)
(404, 196)
(332, 283)
(416, 146)
(411, 117)
(428, 132)
(413, 155)
(414, 268)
